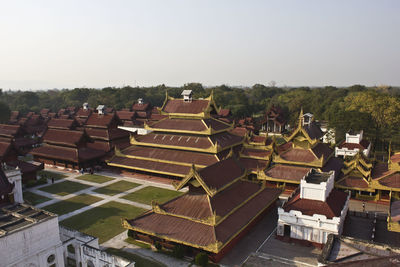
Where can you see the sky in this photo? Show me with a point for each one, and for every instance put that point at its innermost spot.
(96, 43)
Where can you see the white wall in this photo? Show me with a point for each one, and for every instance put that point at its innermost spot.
(316, 191)
(312, 228)
(32, 245)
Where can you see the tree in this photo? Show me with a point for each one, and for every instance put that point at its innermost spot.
(4, 113)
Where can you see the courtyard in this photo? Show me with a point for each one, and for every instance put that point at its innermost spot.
(96, 203)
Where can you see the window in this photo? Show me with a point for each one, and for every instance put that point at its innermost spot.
(71, 249)
(51, 258)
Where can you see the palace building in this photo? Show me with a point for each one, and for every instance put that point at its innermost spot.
(67, 149)
(369, 180)
(301, 152)
(220, 206)
(274, 121)
(188, 134)
(102, 128)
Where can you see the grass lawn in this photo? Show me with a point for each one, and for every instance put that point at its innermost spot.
(95, 178)
(64, 188)
(149, 193)
(34, 199)
(49, 174)
(139, 260)
(71, 204)
(116, 188)
(103, 221)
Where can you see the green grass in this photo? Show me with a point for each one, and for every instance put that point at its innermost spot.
(34, 199)
(149, 193)
(64, 188)
(49, 174)
(103, 221)
(139, 260)
(71, 204)
(95, 178)
(130, 240)
(116, 188)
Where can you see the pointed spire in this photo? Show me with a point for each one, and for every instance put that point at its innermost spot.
(301, 117)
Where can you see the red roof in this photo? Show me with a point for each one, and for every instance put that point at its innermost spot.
(392, 180)
(61, 123)
(197, 233)
(125, 115)
(4, 148)
(351, 146)
(260, 153)
(222, 173)
(287, 172)
(9, 130)
(141, 107)
(241, 131)
(353, 182)
(100, 120)
(106, 134)
(68, 137)
(142, 164)
(179, 106)
(171, 155)
(84, 112)
(224, 112)
(67, 153)
(253, 164)
(332, 207)
(189, 124)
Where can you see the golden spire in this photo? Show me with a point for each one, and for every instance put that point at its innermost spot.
(301, 117)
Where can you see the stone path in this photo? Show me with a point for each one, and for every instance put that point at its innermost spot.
(54, 198)
(118, 241)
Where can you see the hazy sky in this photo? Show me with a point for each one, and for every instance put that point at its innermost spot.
(67, 44)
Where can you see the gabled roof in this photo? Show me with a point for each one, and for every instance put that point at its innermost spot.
(205, 222)
(9, 130)
(125, 114)
(203, 126)
(196, 107)
(215, 177)
(67, 153)
(280, 172)
(101, 120)
(62, 123)
(141, 107)
(67, 137)
(310, 133)
(5, 147)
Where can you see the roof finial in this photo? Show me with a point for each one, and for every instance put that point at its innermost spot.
(301, 117)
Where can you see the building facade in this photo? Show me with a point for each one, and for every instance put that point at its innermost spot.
(314, 211)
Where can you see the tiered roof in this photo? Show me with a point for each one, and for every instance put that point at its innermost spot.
(301, 152)
(219, 205)
(186, 135)
(357, 174)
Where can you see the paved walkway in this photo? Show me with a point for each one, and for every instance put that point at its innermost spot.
(72, 176)
(119, 243)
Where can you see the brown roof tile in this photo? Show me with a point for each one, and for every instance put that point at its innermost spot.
(332, 207)
(322, 149)
(353, 182)
(392, 180)
(351, 146)
(171, 155)
(298, 155)
(154, 166)
(260, 153)
(253, 164)
(125, 115)
(221, 173)
(100, 120)
(287, 172)
(62, 123)
(179, 106)
(141, 107)
(68, 137)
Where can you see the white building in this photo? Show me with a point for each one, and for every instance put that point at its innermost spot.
(31, 237)
(314, 211)
(353, 144)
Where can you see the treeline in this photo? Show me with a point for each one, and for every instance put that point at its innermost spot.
(374, 109)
